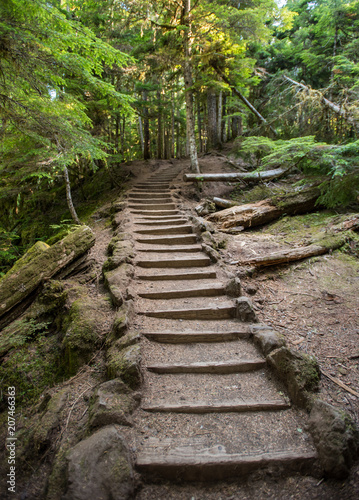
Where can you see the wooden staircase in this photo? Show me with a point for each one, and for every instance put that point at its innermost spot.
(210, 408)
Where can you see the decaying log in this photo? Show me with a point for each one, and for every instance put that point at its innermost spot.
(264, 211)
(41, 262)
(300, 253)
(248, 176)
(220, 202)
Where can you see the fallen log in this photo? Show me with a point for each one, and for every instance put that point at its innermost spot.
(264, 211)
(238, 176)
(300, 253)
(41, 262)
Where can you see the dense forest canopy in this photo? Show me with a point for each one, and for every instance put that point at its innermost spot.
(87, 85)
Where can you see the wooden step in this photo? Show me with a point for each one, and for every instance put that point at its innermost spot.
(230, 366)
(144, 195)
(153, 185)
(149, 206)
(212, 290)
(140, 190)
(170, 240)
(185, 229)
(194, 337)
(221, 407)
(166, 222)
(155, 212)
(195, 261)
(209, 464)
(172, 248)
(150, 200)
(178, 276)
(218, 312)
(163, 218)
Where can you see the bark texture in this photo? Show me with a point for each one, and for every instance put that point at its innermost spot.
(249, 176)
(264, 211)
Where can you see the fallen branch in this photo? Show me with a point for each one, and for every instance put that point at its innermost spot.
(340, 384)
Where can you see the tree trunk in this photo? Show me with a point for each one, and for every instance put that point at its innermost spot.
(122, 136)
(212, 129)
(223, 125)
(264, 211)
(219, 118)
(116, 131)
(188, 82)
(199, 123)
(146, 131)
(248, 176)
(159, 126)
(173, 127)
(69, 198)
(140, 127)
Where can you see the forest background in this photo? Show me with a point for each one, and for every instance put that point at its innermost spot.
(86, 86)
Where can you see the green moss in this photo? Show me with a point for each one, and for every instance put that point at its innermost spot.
(308, 373)
(124, 364)
(32, 368)
(82, 335)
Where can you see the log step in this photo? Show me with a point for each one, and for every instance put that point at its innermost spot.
(154, 185)
(170, 240)
(195, 261)
(185, 229)
(231, 366)
(150, 201)
(218, 312)
(140, 190)
(171, 222)
(212, 290)
(149, 194)
(209, 464)
(155, 212)
(158, 249)
(178, 276)
(194, 337)
(149, 206)
(213, 407)
(163, 218)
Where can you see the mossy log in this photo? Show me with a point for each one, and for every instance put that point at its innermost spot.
(40, 263)
(300, 253)
(264, 211)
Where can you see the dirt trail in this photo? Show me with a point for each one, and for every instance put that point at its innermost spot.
(210, 407)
